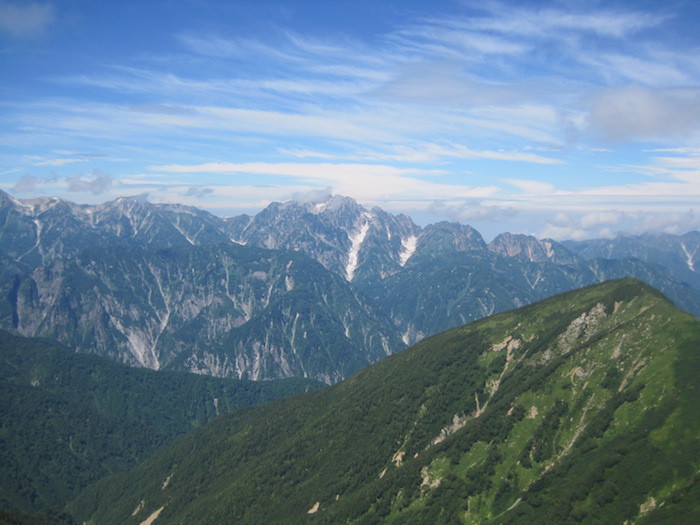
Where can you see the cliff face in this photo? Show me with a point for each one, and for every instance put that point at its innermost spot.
(222, 310)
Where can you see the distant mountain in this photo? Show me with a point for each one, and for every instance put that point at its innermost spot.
(223, 310)
(175, 287)
(443, 292)
(434, 278)
(68, 419)
(679, 254)
(364, 246)
(36, 232)
(531, 249)
(545, 414)
(337, 232)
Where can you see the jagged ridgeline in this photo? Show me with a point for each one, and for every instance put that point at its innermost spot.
(307, 289)
(581, 408)
(68, 419)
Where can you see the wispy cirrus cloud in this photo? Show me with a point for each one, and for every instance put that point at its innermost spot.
(382, 125)
(145, 81)
(58, 162)
(365, 181)
(425, 153)
(547, 21)
(650, 68)
(433, 62)
(292, 52)
(532, 187)
(329, 171)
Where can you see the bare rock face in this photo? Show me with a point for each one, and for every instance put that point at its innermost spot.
(531, 248)
(359, 244)
(220, 310)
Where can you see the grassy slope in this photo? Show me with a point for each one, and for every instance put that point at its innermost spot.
(68, 419)
(580, 408)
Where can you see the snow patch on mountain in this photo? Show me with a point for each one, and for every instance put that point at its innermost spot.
(408, 248)
(319, 207)
(37, 243)
(689, 257)
(356, 241)
(182, 231)
(548, 248)
(411, 335)
(141, 345)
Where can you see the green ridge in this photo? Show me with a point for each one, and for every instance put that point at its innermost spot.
(581, 408)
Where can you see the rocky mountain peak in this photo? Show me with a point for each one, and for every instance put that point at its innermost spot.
(331, 203)
(8, 201)
(531, 248)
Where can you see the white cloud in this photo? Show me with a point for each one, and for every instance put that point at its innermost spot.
(58, 162)
(290, 169)
(307, 154)
(25, 19)
(338, 57)
(317, 195)
(658, 192)
(599, 219)
(639, 70)
(198, 191)
(446, 83)
(532, 187)
(610, 223)
(138, 80)
(26, 183)
(97, 184)
(362, 181)
(637, 112)
(211, 46)
(451, 39)
(473, 210)
(525, 21)
(426, 152)
(339, 126)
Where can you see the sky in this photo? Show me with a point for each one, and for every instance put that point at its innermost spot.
(561, 119)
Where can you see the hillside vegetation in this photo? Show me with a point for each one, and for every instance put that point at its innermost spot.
(68, 419)
(581, 408)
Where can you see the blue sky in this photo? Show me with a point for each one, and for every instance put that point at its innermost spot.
(559, 119)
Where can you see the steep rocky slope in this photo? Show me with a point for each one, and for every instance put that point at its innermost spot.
(223, 310)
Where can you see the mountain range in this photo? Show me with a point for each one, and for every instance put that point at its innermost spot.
(578, 409)
(309, 289)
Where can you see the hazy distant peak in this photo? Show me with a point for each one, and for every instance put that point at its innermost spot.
(531, 248)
